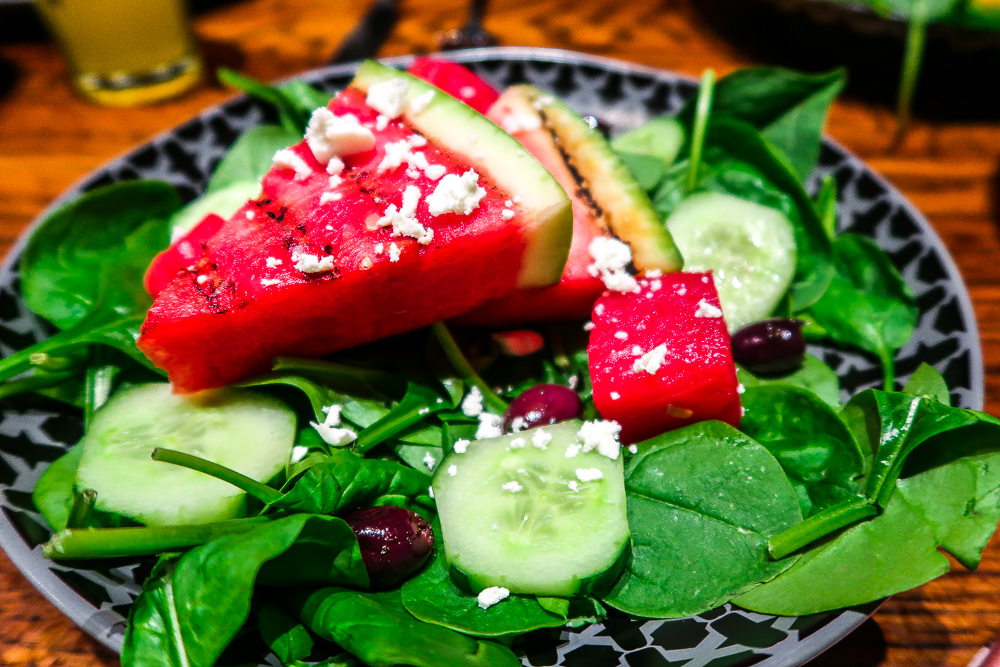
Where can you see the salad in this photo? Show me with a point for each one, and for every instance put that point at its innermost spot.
(567, 375)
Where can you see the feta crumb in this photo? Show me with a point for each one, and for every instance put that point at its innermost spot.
(507, 214)
(456, 194)
(466, 92)
(512, 486)
(381, 122)
(453, 470)
(429, 461)
(517, 199)
(518, 424)
(286, 158)
(496, 526)
(435, 171)
(740, 388)
(420, 102)
(328, 135)
(423, 411)
(334, 166)
(249, 215)
(633, 449)
(489, 426)
(704, 279)
(522, 122)
(379, 248)
(615, 396)
(599, 309)
(492, 595)
(307, 263)
(655, 285)
(572, 382)
(298, 453)
(572, 450)
(472, 404)
(654, 273)
(272, 262)
(418, 140)
(430, 492)
(589, 326)
(517, 443)
(541, 439)
(388, 97)
(636, 351)
(413, 173)
(573, 486)
(393, 252)
(460, 446)
(336, 437)
(621, 335)
(508, 203)
(202, 279)
(269, 282)
(652, 360)
(611, 256)
(403, 219)
(589, 474)
(602, 435)
(335, 181)
(705, 309)
(328, 197)
(620, 281)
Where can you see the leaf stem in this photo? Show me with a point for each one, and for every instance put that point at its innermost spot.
(915, 39)
(76, 543)
(383, 382)
(83, 503)
(703, 110)
(888, 370)
(493, 403)
(820, 525)
(261, 492)
(826, 205)
(32, 383)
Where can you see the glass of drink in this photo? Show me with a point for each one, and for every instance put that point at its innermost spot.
(125, 52)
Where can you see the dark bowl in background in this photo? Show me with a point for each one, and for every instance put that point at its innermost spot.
(959, 68)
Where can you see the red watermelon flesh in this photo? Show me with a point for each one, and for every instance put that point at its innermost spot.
(457, 81)
(183, 253)
(696, 379)
(225, 320)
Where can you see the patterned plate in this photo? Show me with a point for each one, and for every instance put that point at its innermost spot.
(33, 433)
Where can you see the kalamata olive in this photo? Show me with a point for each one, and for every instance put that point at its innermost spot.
(770, 347)
(394, 541)
(541, 405)
(598, 124)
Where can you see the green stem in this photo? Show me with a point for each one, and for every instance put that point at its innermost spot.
(826, 204)
(492, 402)
(888, 370)
(559, 355)
(915, 39)
(97, 388)
(33, 383)
(820, 525)
(261, 492)
(703, 111)
(83, 503)
(381, 381)
(79, 543)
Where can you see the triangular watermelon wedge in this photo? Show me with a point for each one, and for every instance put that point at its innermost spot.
(349, 248)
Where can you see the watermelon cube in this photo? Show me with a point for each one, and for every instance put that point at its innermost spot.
(661, 358)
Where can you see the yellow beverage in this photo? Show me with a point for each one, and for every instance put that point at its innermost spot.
(125, 52)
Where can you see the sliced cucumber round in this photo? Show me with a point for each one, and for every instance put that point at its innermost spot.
(749, 248)
(529, 519)
(248, 432)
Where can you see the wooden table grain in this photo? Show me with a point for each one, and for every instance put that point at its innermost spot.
(49, 139)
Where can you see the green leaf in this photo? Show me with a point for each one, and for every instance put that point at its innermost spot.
(813, 375)
(661, 138)
(377, 629)
(814, 447)
(295, 100)
(647, 170)
(192, 607)
(419, 402)
(433, 597)
(283, 633)
(53, 494)
(251, 156)
(702, 503)
(94, 251)
(319, 395)
(927, 382)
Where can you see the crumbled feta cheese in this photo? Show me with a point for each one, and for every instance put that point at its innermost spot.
(388, 97)
(522, 122)
(602, 435)
(517, 443)
(652, 360)
(496, 526)
(654, 273)
(681, 291)
(655, 285)
(573, 486)
(423, 411)
(572, 450)
(429, 461)
(328, 135)
(328, 197)
(381, 122)
(202, 279)
(518, 424)
(508, 203)
(541, 439)
(589, 474)
(335, 181)
(633, 449)
(517, 199)
(705, 309)
(589, 326)
(435, 171)
(430, 492)
(460, 446)
(572, 381)
(393, 252)
(489, 426)
(615, 396)
(512, 486)
(492, 595)
(507, 214)
(611, 256)
(420, 102)
(379, 248)
(403, 219)
(286, 158)
(620, 281)
(269, 282)
(249, 215)
(298, 453)
(621, 335)
(307, 263)
(453, 470)
(272, 262)
(336, 437)
(740, 388)
(334, 166)
(472, 404)
(599, 309)
(456, 194)
(467, 92)
(636, 351)
(418, 140)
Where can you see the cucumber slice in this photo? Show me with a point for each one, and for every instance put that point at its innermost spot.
(522, 518)
(248, 432)
(749, 248)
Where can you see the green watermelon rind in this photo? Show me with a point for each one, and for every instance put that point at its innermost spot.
(546, 215)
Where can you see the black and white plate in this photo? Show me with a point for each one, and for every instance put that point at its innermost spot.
(624, 95)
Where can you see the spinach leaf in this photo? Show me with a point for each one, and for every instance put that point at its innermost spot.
(433, 597)
(419, 402)
(251, 156)
(867, 303)
(377, 629)
(647, 170)
(927, 382)
(813, 375)
(345, 481)
(94, 251)
(319, 396)
(814, 447)
(295, 100)
(283, 633)
(660, 138)
(53, 494)
(191, 607)
(702, 503)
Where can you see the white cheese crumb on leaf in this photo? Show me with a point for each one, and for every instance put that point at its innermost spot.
(489, 426)
(472, 404)
(491, 596)
(461, 446)
(429, 461)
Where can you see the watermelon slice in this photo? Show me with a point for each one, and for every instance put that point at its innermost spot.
(377, 241)
(606, 202)
(661, 358)
(184, 252)
(455, 80)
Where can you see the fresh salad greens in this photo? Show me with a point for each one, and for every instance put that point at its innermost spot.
(811, 505)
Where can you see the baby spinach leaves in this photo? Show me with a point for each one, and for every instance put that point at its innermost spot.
(813, 376)
(702, 503)
(251, 157)
(295, 100)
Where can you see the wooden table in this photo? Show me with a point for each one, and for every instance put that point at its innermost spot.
(49, 139)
